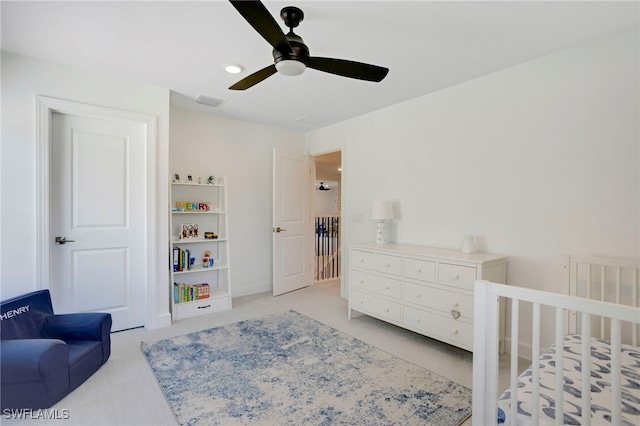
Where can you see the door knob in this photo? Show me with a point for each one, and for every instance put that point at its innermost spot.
(278, 229)
(63, 240)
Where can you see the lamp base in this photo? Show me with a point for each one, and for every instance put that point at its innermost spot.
(382, 233)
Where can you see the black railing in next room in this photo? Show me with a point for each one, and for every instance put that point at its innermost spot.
(327, 261)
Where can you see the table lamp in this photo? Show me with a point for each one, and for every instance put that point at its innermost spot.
(381, 211)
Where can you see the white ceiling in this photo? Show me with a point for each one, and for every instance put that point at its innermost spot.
(182, 45)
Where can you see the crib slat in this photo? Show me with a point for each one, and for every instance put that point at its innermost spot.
(618, 285)
(559, 367)
(485, 355)
(589, 282)
(515, 326)
(616, 390)
(603, 284)
(634, 291)
(586, 369)
(535, 370)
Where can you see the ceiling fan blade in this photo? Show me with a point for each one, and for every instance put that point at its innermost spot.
(351, 69)
(255, 78)
(261, 20)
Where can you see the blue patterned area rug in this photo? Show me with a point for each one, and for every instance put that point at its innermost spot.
(290, 369)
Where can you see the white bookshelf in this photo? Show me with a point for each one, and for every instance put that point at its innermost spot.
(204, 205)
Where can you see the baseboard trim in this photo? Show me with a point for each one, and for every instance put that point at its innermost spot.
(251, 290)
(163, 320)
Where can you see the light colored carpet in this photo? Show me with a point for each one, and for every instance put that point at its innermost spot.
(290, 369)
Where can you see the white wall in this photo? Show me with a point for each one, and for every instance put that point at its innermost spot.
(205, 144)
(539, 161)
(22, 80)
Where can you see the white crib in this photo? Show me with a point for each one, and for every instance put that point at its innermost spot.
(595, 336)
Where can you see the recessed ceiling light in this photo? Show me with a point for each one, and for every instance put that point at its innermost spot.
(233, 68)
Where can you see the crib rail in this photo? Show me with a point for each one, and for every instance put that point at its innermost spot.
(485, 348)
(612, 280)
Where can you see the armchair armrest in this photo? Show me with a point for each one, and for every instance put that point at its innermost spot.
(32, 360)
(83, 326)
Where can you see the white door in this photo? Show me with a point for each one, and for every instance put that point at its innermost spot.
(97, 202)
(292, 224)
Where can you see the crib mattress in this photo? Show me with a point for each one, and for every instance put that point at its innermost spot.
(600, 386)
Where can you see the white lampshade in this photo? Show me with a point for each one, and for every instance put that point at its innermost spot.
(382, 210)
(290, 67)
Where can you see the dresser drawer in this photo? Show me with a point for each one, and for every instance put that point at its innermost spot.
(456, 276)
(439, 299)
(388, 264)
(376, 306)
(375, 283)
(422, 270)
(438, 326)
(362, 259)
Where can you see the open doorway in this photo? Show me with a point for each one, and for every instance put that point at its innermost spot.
(327, 218)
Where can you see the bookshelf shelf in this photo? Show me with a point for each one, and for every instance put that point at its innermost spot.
(198, 240)
(195, 289)
(191, 212)
(197, 269)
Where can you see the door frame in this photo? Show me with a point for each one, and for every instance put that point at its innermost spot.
(344, 280)
(45, 108)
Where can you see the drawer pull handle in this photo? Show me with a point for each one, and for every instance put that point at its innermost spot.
(361, 281)
(454, 330)
(418, 295)
(361, 259)
(455, 314)
(418, 270)
(455, 276)
(386, 287)
(455, 304)
(417, 319)
(387, 265)
(204, 307)
(360, 301)
(386, 309)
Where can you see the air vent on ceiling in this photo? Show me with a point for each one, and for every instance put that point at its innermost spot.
(309, 119)
(209, 101)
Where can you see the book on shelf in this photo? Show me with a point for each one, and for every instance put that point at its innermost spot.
(181, 259)
(190, 292)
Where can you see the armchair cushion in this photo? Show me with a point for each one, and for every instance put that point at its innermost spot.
(80, 327)
(44, 356)
(38, 368)
(32, 359)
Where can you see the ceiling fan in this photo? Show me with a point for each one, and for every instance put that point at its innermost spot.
(290, 54)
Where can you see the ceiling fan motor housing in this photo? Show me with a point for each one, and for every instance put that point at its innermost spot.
(292, 16)
(300, 50)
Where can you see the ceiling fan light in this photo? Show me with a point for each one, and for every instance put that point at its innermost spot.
(290, 67)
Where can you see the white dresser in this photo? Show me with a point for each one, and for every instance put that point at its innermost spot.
(423, 289)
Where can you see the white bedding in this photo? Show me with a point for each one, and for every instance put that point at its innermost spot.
(600, 386)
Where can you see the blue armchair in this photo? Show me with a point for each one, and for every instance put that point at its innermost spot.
(43, 356)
